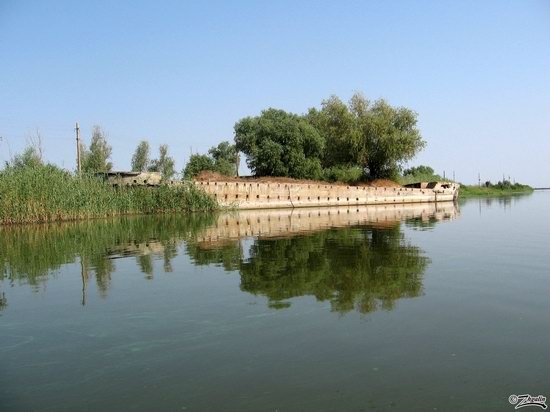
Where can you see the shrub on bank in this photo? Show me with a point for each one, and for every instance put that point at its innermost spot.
(345, 174)
(46, 193)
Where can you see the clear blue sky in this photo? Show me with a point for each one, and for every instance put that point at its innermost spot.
(182, 73)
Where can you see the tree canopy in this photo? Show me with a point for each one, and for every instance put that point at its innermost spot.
(96, 158)
(222, 159)
(225, 158)
(335, 139)
(140, 159)
(278, 143)
(165, 164)
(198, 163)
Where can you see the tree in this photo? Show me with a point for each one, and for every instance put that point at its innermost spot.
(418, 171)
(375, 136)
(278, 143)
(96, 158)
(31, 157)
(337, 125)
(225, 158)
(140, 159)
(387, 136)
(198, 163)
(164, 164)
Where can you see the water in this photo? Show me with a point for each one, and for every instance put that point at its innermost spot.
(406, 308)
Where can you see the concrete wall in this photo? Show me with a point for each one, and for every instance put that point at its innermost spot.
(252, 195)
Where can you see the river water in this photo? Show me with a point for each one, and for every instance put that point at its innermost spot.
(426, 307)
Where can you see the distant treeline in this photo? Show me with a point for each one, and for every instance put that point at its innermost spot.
(501, 188)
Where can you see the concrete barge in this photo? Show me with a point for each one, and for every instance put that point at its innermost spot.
(274, 195)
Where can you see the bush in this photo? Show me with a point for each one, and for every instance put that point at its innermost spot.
(346, 174)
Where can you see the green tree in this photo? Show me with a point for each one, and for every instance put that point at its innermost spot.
(418, 170)
(225, 158)
(96, 158)
(387, 136)
(31, 157)
(338, 127)
(140, 159)
(165, 164)
(198, 163)
(375, 136)
(278, 143)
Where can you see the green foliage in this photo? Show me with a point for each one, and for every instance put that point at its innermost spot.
(375, 137)
(47, 193)
(418, 171)
(140, 159)
(502, 188)
(419, 174)
(345, 174)
(31, 157)
(278, 143)
(220, 159)
(387, 137)
(337, 126)
(164, 164)
(225, 158)
(96, 158)
(223, 151)
(198, 163)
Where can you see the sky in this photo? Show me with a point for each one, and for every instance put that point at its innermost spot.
(182, 73)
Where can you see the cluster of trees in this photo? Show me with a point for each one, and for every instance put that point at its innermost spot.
(505, 185)
(372, 139)
(419, 174)
(142, 162)
(338, 141)
(223, 159)
(95, 158)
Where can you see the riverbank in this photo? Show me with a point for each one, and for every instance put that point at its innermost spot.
(510, 190)
(49, 194)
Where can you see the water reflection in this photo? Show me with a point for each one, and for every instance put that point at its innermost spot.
(3, 301)
(354, 258)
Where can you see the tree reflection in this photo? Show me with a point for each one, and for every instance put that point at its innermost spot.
(31, 254)
(3, 301)
(362, 267)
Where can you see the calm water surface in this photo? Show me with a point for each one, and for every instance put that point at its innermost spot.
(414, 308)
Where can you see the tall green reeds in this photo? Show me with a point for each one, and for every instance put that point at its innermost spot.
(47, 193)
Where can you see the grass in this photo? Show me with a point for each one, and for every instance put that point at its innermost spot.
(48, 194)
(494, 190)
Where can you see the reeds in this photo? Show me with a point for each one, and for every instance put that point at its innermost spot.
(47, 194)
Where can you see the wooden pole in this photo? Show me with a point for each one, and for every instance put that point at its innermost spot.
(78, 166)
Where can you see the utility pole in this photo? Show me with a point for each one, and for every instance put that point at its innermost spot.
(78, 166)
(443, 174)
(479, 179)
(454, 180)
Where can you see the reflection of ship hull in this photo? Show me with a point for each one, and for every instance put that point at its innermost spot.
(263, 195)
(285, 222)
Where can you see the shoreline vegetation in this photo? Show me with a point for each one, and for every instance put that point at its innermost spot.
(362, 142)
(46, 193)
(509, 189)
